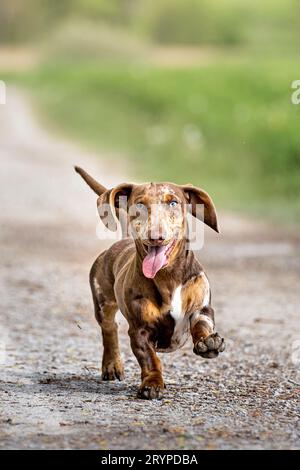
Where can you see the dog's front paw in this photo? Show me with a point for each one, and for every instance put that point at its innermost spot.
(151, 388)
(113, 370)
(210, 347)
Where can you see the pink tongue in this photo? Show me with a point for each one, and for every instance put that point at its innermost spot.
(154, 261)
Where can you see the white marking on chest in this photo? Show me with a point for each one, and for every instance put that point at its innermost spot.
(182, 326)
(176, 304)
(181, 331)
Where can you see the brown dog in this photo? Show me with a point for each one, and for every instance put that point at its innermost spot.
(157, 283)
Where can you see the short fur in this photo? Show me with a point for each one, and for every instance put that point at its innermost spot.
(161, 312)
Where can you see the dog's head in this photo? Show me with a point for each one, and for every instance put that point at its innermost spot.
(155, 214)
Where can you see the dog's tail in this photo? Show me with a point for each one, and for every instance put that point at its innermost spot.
(97, 187)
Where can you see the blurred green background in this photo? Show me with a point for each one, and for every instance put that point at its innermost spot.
(188, 90)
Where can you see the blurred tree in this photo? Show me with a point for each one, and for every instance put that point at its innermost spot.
(115, 11)
(21, 20)
(163, 21)
(192, 21)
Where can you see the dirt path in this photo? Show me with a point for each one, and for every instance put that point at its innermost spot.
(50, 392)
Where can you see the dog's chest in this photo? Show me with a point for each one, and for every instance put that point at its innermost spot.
(175, 329)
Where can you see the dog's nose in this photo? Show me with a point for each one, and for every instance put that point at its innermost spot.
(156, 241)
(156, 237)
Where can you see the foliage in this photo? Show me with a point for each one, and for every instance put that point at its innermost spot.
(229, 128)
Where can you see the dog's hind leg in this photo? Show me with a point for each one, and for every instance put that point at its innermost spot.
(105, 312)
(112, 365)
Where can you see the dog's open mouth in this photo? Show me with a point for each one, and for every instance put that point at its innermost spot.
(156, 258)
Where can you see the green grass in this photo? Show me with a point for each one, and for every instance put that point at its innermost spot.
(229, 128)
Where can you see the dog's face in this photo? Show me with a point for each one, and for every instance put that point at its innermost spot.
(156, 213)
(156, 216)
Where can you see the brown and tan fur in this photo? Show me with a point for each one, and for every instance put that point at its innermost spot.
(161, 312)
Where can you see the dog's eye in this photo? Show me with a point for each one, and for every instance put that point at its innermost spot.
(173, 203)
(140, 206)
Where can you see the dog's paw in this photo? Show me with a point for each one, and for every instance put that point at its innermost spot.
(210, 347)
(151, 388)
(113, 370)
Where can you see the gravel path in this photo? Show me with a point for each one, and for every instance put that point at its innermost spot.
(51, 395)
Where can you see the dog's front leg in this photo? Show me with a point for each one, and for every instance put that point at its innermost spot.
(151, 371)
(207, 343)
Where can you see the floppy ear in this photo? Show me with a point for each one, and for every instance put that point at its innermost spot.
(113, 204)
(197, 196)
